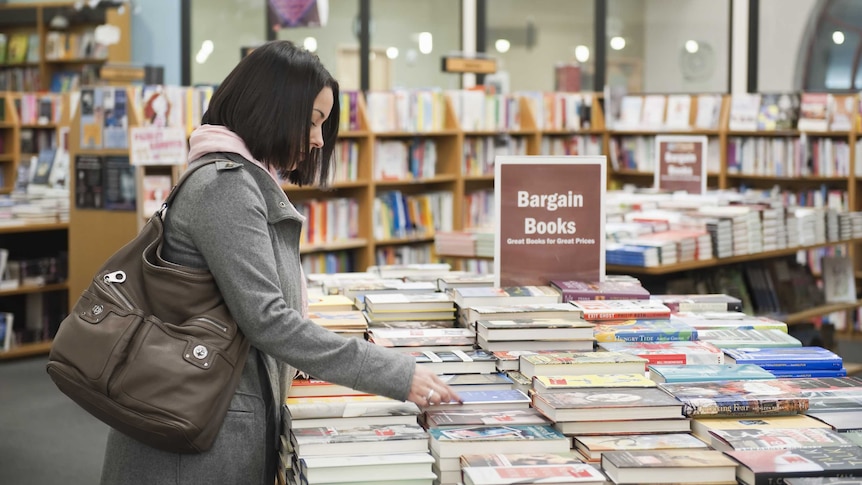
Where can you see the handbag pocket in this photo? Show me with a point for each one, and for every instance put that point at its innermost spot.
(181, 368)
(94, 339)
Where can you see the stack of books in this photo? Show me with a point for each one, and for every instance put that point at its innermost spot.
(409, 307)
(573, 334)
(422, 339)
(791, 362)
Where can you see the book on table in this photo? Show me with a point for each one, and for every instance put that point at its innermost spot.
(841, 421)
(535, 329)
(339, 320)
(407, 302)
(707, 372)
(470, 315)
(684, 352)
(665, 466)
(776, 438)
(454, 442)
(624, 426)
(479, 416)
(370, 468)
(511, 295)
(731, 320)
(643, 330)
(561, 474)
(572, 290)
(780, 358)
(383, 439)
(563, 345)
(502, 399)
(579, 363)
(717, 302)
(763, 467)
(447, 283)
(701, 427)
(738, 398)
(497, 381)
(457, 361)
(348, 407)
(608, 404)
(551, 384)
(423, 339)
(621, 309)
(374, 318)
(733, 338)
(510, 359)
(592, 447)
(309, 387)
(330, 303)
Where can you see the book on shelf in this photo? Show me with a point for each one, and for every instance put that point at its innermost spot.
(643, 330)
(678, 112)
(683, 352)
(580, 363)
(707, 372)
(744, 110)
(551, 384)
(700, 303)
(368, 468)
(786, 358)
(454, 442)
(155, 191)
(565, 328)
(488, 399)
(621, 309)
(663, 466)
(512, 295)
(738, 398)
(89, 184)
(572, 290)
(776, 438)
(701, 427)
(763, 467)
(7, 320)
(592, 447)
(814, 112)
(372, 439)
(708, 111)
(552, 473)
(120, 184)
(478, 382)
(608, 404)
(470, 416)
(417, 339)
(457, 361)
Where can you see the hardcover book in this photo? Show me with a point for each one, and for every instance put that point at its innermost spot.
(580, 363)
(503, 399)
(477, 382)
(548, 384)
(727, 338)
(763, 439)
(454, 442)
(624, 426)
(700, 303)
(701, 427)
(663, 466)
(348, 406)
(738, 398)
(709, 372)
(592, 447)
(621, 309)
(329, 441)
(841, 421)
(599, 290)
(738, 320)
(608, 404)
(519, 459)
(306, 387)
(457, 362)
(669, 353)
(372, 468)
(535, 329)
(507, 312)
(766, 467)
(462, 338)
(511, 295)
(783, 358)
(451, 418)
(643, 330)
(330, 303)
(405, 302)
(502, 475)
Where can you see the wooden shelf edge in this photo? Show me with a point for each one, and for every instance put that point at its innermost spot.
(404, 240)
(334, 246)
(801, 317)
(26, 350)
(27, 289)
(27, 227)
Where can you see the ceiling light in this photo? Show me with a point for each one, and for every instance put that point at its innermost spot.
(426, 43)
(691, 46)
(310, 44)
(617, 43)
(838, 37)
(502, 46)
(582, 53)
(392, 52)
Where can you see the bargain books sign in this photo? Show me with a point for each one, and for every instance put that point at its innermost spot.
(550, 219)
(681, 163)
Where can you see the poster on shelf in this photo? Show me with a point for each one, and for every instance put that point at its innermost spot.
(550, 219)
(680, 164)
(156, 145)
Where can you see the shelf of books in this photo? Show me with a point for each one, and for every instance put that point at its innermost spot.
(37, 55)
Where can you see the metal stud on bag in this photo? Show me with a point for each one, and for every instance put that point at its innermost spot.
(200, 352)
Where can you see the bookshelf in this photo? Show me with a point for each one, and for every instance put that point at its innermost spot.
(51, 53)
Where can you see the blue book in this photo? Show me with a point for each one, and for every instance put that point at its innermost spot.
(797, 373)
(494, 399)
(643, 330)
(786, 358)
(707, 372)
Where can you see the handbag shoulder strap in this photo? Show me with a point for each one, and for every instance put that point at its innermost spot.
(199, 163)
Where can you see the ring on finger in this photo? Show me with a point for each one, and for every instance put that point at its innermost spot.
(430, 393)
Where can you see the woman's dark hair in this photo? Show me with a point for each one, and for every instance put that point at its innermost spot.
(268, 99)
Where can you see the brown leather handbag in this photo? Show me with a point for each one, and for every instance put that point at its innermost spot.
(150, 347)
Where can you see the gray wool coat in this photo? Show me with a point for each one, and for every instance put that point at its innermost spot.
(232, 218)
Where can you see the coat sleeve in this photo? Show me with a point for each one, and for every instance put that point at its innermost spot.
(225, 220)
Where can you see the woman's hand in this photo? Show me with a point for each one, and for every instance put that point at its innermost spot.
(427, 389)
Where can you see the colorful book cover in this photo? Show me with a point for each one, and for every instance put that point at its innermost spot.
(371, 439)
(564, 383)
(347, 406)
(622, 309)
(738, 398)
(481, 398)
(734, 338)
(841, 421)
(503, 475)
(576, 363)
(592, 447)
(600, 290)
(783, 358)
(702, 463)
(17, 49)
(771, 439)
(761, 467)
(519, 459)
(535, 329)
(512, 295)
(669, 353)
(608, 404)
(798, 373)
(829, 393)
(116, 119)
(700, 303)
(92, 112)
(738, 320)
(496, 433)
(437, 418)
(709, 372)
(422, 337)
(643, 330)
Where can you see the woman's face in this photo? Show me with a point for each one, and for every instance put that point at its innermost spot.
(319, 114)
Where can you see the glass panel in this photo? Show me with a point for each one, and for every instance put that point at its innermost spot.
(781, 45)
(408, 38)
(831, 47)
(668, 46)
(542, 45)
(336, 43)
(219, 29)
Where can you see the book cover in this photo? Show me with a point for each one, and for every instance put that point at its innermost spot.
(511, 295)
(733, 338)
(700, 303)
(608, 404)
(477, 382)
(621, 309)
(89, 185)
(730, 320)
(782, 358)
(502, 312)
(44, 163)
(309, 387)
(770, 439)
(502, 475)
(329, 303)
(643, 330)
(579, 363)
(762, 467)
(701, 427)
(115, 119)
(592, 447)
(405, 302)
(547, 384)
(92, 112)
(155, 191)
(329, 441)
(457, 362)
(600, 290)
(422, 337)
(707, 372)
(347, 406)
(334, 320)
(120, 182)
(518, 459)
(17, 48)
(535, 329)
(507, 398)
(455, 417)
(662, 466)
(841, 421)
(669, 353)
(738, 398)
(371, 468)
(454, 442)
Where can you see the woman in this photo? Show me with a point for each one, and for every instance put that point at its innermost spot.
(276, 114)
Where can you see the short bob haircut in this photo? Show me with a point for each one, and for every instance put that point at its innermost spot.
(268, 101)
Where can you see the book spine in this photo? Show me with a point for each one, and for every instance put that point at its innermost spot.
(650, 336)
(620, 315)
(732, 407)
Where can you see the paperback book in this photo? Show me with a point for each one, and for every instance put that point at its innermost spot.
(608, 404)
(622, 309)
(469, 416)
(708, 372)
(457, 362)
(503, 399)
(600, 290)
(669, 353)
(507, 312)
(783, 358)
(503, 475)
(592, 447)
(580, 363)
(371, 468)
(454, 442)
(738, 398)
(734, 338)
(330, 441)
(664, 466)
(535, 329)
(477, 382)
(841, 421)
(423, 338)
(701, 427)
(765, 467)
(512, 295)
(643, 330)
(549, 384)
(717, 302)
(771, 438)
(737, 320)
